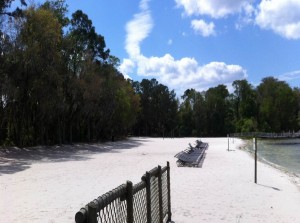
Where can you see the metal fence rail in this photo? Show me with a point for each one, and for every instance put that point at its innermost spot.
(266, 135)
(149, 201)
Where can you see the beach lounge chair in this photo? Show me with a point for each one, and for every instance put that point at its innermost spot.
(190, 157)
(200, 144)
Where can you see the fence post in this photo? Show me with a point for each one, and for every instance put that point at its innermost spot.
(148, 196)
(92, 213)
(169, 192)
(129, 199)
(228, 141)
(81, 216)
(255, 159)
(160, 196)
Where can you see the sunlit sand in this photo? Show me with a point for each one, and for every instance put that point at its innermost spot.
(52, 184)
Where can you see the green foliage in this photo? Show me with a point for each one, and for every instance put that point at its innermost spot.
(246, 125)
(59, 9)
(191, 113)
(158, 112)
(217, 110)
(59, 84)
(60, 88)
(244, 99)
(273, 107)
(277, 106)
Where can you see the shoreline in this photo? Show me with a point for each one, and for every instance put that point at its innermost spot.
(293, 177)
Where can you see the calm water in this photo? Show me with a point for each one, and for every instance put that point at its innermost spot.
(282, 152)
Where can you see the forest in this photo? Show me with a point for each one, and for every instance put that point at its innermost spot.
(60, 84)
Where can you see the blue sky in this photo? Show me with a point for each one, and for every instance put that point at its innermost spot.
(200, 43)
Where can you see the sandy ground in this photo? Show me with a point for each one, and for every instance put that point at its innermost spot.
(52, 184)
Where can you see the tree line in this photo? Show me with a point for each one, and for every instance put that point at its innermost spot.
(272, 106)
(59, 83)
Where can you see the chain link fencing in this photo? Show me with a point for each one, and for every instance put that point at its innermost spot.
(148, 201)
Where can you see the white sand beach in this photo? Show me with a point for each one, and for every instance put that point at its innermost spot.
(51, 184)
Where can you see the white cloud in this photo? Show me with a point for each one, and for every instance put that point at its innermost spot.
(203, 28)
(144, 5)
(127, 67)
(138, 29)
(245, 18)
(176, 74)
(217, 9)
(290, 76)
(214, 8)
(281, 16)
(187, 73)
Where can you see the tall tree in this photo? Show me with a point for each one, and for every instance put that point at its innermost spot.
(82, 49)
(200, 115)
(158, 108)
(277, 105)
(245, 106)
(217, 110)
(33, 81)
(85, 43)
(187, 112)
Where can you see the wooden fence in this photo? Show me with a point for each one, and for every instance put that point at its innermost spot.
(149, 201)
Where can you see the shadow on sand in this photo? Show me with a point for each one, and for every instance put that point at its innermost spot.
(13, 160)
(202, 160)
(274, 188)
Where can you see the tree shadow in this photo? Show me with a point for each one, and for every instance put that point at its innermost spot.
(13, 160)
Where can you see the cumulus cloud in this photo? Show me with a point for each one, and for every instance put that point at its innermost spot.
(203, 28)
(127, 67)
(281, 16)
(213, 8)
(178, 74)
(188, 73)
(217, 9)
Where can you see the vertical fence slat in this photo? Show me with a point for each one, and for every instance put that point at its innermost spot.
(129, 199)
(160, 195)
(255, 159)
(169, 191)
(92, 213)
(148, 196)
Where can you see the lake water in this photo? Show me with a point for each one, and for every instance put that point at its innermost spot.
(282, 152)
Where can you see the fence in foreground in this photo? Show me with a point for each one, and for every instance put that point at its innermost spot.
(149, 201)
